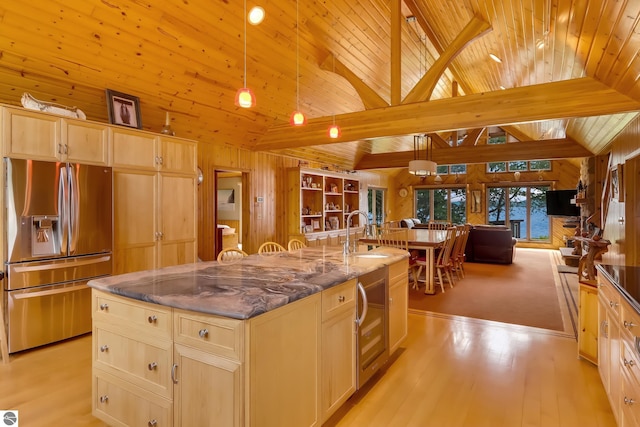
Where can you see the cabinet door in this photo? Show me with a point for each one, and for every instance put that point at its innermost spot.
(604, 345)
(338, 361)
(178, 207)
(398, 309)
(588, 323)
(135, 220)
(31, 135)
(208, 390)
(178, 155)
(134, 149)
(86, 142)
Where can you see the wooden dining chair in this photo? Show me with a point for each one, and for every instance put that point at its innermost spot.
(457, 256)
(270, 248)
(442, 264)
(295, 244)
(438, 225)
(231, 255)
(394, 237)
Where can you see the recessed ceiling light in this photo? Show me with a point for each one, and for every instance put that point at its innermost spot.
(495, 58)
(256, 15)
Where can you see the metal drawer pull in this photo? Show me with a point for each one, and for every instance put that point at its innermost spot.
(203, 333)
(152, 423)
(613, 304)
(628, 325)
(104, 348)
(104, 399)
(628, 363)
(152, 366)
(604, 328)
(174, 378)
(629, 401)
(152, 319)
(341, 298)
(104, 306)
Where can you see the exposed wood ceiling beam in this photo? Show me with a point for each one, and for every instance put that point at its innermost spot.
(472, 137)
(527, 150)
(424, 88)
(369, 97)
(581, 97)
(396, 52)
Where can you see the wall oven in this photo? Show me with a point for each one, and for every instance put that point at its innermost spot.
(372, 324)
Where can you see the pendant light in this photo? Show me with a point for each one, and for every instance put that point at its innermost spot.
(334, 130)
(418, 166)
(297, 117)
(245, 97)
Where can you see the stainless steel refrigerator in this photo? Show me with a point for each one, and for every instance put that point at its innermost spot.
(58, 235)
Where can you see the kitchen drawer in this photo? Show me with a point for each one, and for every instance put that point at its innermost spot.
(144, 362)
(338, 298)
(609, 295)
(121, 404)
(630, 323)
(629, 360)
(213, 334)
(630, 401)
(151, 318)
(399, 269)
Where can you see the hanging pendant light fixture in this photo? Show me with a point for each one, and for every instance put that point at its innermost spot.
(297, 117)
(418, 166)
(334, 130)
(245, 97)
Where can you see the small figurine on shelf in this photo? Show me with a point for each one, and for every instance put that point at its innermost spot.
(166, 129)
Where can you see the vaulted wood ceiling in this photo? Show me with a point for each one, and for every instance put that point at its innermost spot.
(569, 70)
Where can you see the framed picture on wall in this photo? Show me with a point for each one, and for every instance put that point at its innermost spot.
(616, 182)
(124, 110)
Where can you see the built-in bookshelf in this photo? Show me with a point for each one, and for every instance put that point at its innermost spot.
(321, 201)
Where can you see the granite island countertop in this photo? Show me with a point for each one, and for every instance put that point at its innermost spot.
(251, 286)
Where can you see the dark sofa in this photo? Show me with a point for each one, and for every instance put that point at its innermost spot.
(490, 244)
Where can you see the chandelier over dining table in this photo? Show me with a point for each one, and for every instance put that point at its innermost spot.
(422, 165)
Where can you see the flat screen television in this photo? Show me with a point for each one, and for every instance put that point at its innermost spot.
(559, 203)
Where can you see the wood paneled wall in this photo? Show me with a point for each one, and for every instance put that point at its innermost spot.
(564, 175)
(621, 220)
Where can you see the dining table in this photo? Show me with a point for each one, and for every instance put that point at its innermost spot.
(422, 239)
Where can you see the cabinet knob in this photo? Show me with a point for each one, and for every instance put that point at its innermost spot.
(628, 325)
(104, 306)
(152, 366)
(613, 304)
(341, 298)
(629, 401)
(104, 399)
(104, 348)
(152, 423)
(203, 333)
(628, 363)
(152, 319)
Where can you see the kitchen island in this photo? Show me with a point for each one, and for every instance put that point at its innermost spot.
(268, 340)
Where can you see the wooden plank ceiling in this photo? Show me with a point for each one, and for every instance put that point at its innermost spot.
(357, 60)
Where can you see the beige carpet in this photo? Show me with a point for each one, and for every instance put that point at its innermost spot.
(528, 292)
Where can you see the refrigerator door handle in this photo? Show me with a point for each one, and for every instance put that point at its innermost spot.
(74, 208)
(63, 197)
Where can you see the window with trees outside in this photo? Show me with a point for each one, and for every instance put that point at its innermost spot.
(523, 208)
(376, 205)
(441, 204)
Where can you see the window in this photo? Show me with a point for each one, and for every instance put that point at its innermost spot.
(523, 208)
(441, 204)
(376, 205)
(519, 165)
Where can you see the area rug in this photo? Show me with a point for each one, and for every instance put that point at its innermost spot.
(523, 293)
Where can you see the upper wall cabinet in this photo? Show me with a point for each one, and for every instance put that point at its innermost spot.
(149, 151)
(42, 136)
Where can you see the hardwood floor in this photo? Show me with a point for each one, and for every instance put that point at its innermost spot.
(451, 372)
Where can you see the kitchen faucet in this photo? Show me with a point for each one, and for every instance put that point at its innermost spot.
(368, 231)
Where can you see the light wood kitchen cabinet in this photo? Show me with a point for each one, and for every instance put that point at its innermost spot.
(40, 136)
(609, 342)
(338, 332)
(629, 365)
(264, 371)
(588, 322)
(155, 201)
(398, 303)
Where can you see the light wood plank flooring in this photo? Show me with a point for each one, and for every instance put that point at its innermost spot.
(452, 372)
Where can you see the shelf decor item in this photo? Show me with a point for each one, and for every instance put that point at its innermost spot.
(124, 110)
